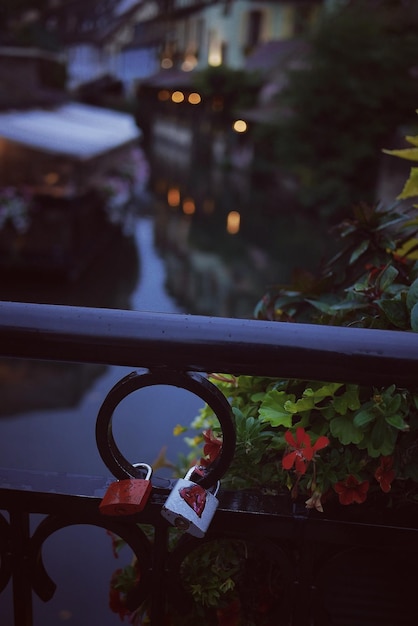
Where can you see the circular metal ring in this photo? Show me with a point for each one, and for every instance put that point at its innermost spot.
(191, 381)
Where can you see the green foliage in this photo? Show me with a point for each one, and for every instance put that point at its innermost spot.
(369, 283)
(208, 574)
(354, 93)
(372, 282)
(410, 189)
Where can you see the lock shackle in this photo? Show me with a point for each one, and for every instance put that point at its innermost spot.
(197, 384)
(189, 476)
(147, 467)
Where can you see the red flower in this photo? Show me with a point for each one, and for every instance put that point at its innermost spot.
(350, 490)
(211, 449)
(116, 598)
(302, 450)
(385, 473)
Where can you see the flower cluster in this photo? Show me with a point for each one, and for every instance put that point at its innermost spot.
(335, 441)
(318, 441)
(301, 450)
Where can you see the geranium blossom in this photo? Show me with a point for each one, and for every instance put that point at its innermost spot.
(301, 450)
(211, 449)
(385, 473)
(351, 490)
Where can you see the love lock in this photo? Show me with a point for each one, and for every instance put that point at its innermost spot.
(190, 507)
(127, 497)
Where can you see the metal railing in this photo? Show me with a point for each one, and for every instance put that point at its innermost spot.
(176, 345)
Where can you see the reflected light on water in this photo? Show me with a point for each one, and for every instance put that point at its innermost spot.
(173, 197)
(215, 51)
(177, 96)
(233, 222)
(240, 126)
(189, 63)
(51, 178)
(194, 98)
(163, 95)
(189, 206)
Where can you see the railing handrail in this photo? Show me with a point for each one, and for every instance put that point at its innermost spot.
(208, 344)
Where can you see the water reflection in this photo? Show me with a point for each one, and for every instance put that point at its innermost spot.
(225, 241)
(62, 438)
(108, 282)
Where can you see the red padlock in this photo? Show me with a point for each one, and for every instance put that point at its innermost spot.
(129, 496)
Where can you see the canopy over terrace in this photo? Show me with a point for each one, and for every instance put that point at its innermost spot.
(71, 141)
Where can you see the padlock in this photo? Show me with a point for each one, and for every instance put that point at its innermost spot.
(190, 507)
(129, 496)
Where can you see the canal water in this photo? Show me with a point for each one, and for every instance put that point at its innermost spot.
(179, 258)
(47, 423)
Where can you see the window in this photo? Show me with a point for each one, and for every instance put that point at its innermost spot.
(255, 19)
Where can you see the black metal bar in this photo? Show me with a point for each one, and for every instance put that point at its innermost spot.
(159, 584)
(206, 344)
(242, 514)
(22, 583)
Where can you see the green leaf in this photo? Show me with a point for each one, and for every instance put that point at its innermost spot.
(364, 417)
(410, 189)
(321, 306)
(397, 421)
(311, 397)
(412, 295)
(349, 305)
(394, 404)
(344, 429)
(359, 251)
(411, 154)
(227, 585)
(387, 277)
(273, 411)
(349, 400)
(300, 406)
(387, 443)
(412, 139)
(414, 318)
(395, 311)
(378, 433)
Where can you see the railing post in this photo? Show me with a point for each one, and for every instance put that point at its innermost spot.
(21, 568)
(158, 590)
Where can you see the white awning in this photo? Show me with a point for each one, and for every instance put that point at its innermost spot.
(76, 130)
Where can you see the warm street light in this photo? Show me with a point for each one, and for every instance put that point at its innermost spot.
(233, 222)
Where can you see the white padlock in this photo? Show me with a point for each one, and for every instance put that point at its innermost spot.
(190, 507)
